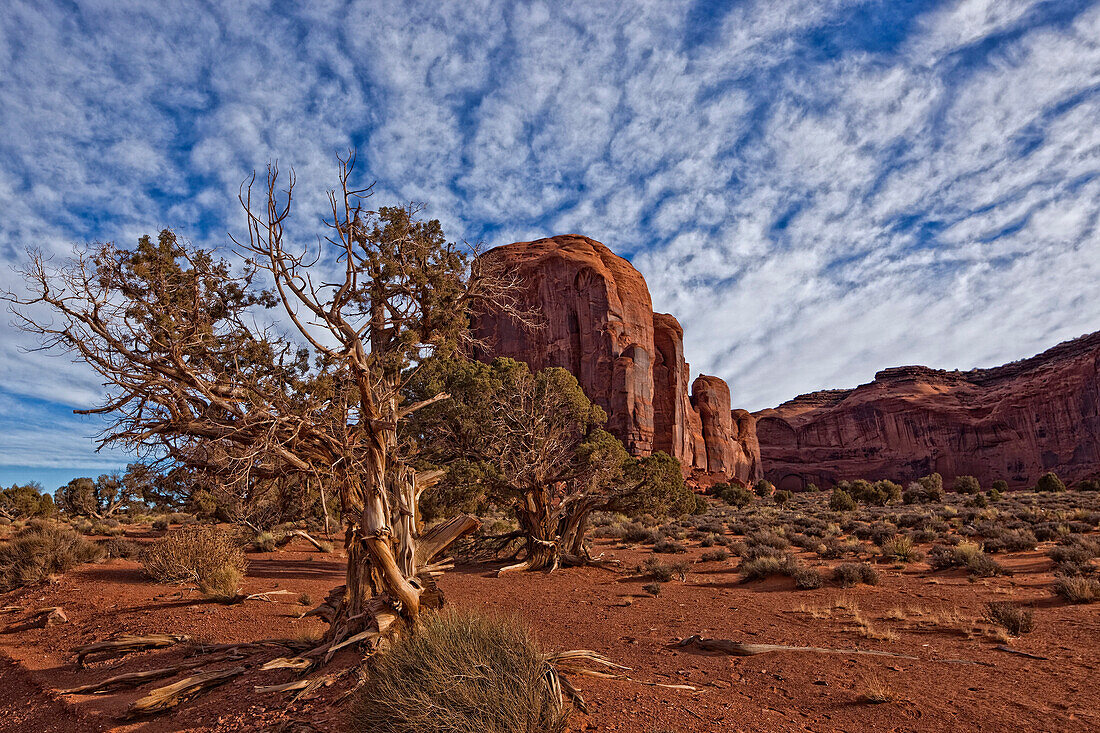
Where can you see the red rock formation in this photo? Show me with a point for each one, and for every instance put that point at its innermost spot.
(600, 325)
(1013, 422)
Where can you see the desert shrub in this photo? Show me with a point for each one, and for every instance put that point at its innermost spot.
(1000, 486)
(1011, 540)
(120, 548)
(967, 555)
(850, 573)
(763, 488)
(638, 533)
(807, 579)
(1049, 482)
(160, 524)
(459, 673)
(879, 493)
(768, 538)
(812, 487)
(761, 567)
(1014, 619)
(782, 497)
(1077, 588)
(41, 550)
(668, 546)
(26, 501)
(264, 542)
(1088, 485)
(662, 571)
(967, 485)
(995, 495)
(207, 556)
(653, 589)
(925, 490)
(835, 547)
(900, 547)
(715, 555)
(733, 495)
(842, 501)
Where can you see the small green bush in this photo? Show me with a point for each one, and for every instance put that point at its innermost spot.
(967, 485)
(842, 501)
(1049, 482)
(782, 497)
(763, 488)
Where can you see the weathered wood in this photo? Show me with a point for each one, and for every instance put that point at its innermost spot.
(1010, 650)
(166, 698)
(441, 536)
(737, 649)
(304, 535)
(128, 643)
(136, 679)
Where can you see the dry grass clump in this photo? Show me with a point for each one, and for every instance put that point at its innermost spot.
(900, 548)
(1077, 588)
(1014, 619)
(876, 690)
(459, 673)
(207, 556)
(40, 550)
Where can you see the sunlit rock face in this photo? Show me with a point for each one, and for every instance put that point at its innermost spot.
(1013, 422)
(600, 325)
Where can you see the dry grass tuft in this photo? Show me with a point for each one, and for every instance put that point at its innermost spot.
(875, 690)
(462, 674)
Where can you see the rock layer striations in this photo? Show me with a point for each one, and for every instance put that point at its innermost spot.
(1013, 422)
(600, 325)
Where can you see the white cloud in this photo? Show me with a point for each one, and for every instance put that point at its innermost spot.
(810, 210)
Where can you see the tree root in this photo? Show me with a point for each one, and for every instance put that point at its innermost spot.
(128, 643)
(166, 698)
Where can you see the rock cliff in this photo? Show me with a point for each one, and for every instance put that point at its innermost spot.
(1012, 422)
(600, 325)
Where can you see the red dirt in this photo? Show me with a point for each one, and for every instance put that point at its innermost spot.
(991, 691)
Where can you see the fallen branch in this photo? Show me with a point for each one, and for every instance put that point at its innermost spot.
(166, 698)
(39, 619)
(302, 533)
(128, 643)
(737, 649)
(264, 596)
(1010, 650)
(136, 679)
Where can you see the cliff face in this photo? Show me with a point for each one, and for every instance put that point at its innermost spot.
(1012, 422)
(600, 325)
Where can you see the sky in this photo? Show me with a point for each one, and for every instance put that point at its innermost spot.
(816, 189)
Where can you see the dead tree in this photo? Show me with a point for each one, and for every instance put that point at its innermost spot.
(173, 332)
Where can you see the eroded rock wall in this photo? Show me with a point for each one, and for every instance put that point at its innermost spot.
(600, 325)
(1013, 422)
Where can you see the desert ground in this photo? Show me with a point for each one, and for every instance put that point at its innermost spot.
(946, 664)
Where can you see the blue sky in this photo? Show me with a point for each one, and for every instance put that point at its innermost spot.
(817, 190)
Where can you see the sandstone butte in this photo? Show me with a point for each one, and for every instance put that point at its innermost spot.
(1012, 422)
(598, 322)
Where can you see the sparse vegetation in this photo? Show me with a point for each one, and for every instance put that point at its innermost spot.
(459, 673)
(1012, 618)
(207, 556)
(41, 550)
